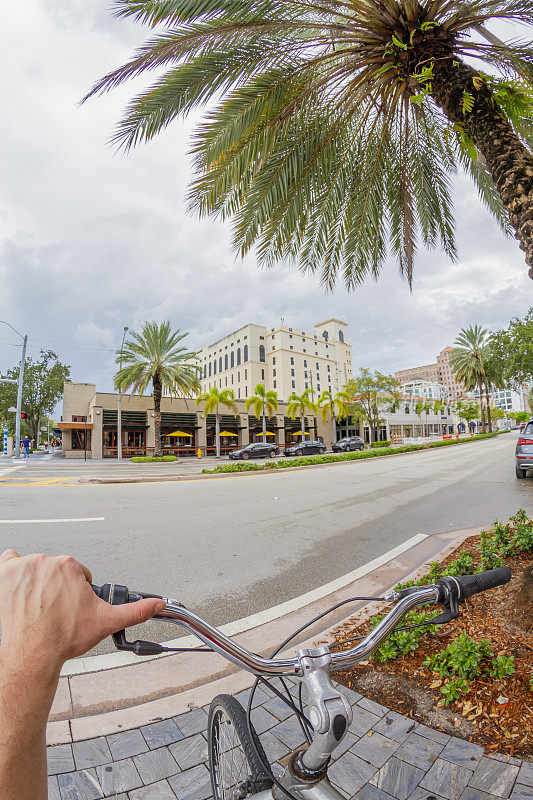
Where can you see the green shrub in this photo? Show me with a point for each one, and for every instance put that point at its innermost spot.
(381, 444)
(502, 666)
(452, 690)
(462, 657)
(403, 642)
(151, 459)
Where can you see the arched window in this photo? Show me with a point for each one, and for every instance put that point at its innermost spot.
(238, 356)
(226, 361)
(205, 370)
(262, 352)
(215, 367)
(341, 336)
(209, 369)
(325, 334)
(245, 353)
(232, 359)
(220, 364)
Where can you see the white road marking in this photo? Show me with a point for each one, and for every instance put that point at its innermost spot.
(72, 519)
(12, 469)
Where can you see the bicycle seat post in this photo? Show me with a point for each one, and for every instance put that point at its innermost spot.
(330, 714)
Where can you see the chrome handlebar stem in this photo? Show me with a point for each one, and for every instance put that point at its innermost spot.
(215, 639)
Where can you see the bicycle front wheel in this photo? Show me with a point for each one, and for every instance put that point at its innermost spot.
(236, 771)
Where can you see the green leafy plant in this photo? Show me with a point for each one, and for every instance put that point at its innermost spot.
(381, 444)
(461, 657)
(152, 459)
(452, 690)
(467, 103)
(403, 642)
(502, 666)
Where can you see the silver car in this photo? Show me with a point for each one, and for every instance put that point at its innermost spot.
(524, 450)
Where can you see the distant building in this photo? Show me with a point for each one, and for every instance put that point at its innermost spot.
(426, 389)
(439, 373)
(507, 399)
(284, 359)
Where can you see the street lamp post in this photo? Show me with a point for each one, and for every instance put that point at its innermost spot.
(119, 405)
(19, 389)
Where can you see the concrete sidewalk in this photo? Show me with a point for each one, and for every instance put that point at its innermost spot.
(384, 756)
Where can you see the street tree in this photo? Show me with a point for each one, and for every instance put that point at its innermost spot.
(298, 405)
(42, 388)
(334, 130)
(469, 363)
(334, 406)
(371, 395)
(511, 351)
(419, 410)
(213, 400)
(265, 404)
(156, 356)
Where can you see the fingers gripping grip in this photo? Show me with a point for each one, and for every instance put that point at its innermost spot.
(473, 584)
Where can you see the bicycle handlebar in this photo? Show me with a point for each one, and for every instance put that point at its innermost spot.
(446, 592)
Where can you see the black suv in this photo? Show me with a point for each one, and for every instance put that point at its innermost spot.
(348, 443)
(524, 450)
(305, 448)
(256, 450)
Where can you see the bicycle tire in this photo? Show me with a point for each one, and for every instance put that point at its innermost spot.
(250, 777)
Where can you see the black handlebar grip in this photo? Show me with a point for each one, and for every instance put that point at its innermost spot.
(473, 584)
(112, 593)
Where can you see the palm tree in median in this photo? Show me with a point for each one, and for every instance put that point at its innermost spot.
(265, 404)
(335, 406)
(213, 399)
(155, 354)
(468, 361)
(298, 404)
(334, 129)
(419, 410)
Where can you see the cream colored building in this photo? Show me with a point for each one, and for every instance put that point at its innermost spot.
(285, 359)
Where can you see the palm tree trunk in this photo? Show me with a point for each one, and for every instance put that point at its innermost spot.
(264, 427)
(480, 386)
(302, 419)
(489, 420)
(508, 160)
(157, 416)
(217, 434)
(334, 426)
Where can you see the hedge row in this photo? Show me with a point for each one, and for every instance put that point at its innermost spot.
(150, 459)
(306, 461)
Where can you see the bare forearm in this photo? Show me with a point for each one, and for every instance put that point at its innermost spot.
(26, 695)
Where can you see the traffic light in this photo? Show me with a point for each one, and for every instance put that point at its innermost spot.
(23, 415)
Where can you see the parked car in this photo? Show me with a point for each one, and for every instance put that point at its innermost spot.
(305, 448)
(524, 450)
(256, 450)
(348, 443)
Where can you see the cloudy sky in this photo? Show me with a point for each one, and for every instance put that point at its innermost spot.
(91, 241)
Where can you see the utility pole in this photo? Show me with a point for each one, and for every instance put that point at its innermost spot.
(19, 389)
(119, 404)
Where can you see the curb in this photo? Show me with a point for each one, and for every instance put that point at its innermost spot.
(175, 478)
(83, 709)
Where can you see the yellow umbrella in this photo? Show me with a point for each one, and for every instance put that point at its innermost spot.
(267, 433)
(227, 433)
(179, 433)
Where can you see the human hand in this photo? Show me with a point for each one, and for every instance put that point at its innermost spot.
(49, 613)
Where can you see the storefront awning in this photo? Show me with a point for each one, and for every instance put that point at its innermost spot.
(73, 426)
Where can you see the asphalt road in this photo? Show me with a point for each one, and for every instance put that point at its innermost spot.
(230, 547)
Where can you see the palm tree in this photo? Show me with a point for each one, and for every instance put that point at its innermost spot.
(335, 406)
(264, 403)
(419, 410)
(428, 409)
(438, 407)
(334, 129)
(213, 399)
(155, 354)
(298, 404)
(468, 361)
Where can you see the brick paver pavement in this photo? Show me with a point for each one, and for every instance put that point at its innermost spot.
(385, 756)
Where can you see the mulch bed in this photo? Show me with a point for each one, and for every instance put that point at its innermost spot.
(497, 714)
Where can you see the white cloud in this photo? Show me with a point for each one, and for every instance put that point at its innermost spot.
(91, 240)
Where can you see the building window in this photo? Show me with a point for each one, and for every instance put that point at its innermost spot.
(245, 374)
(293, 384)
(274, 384)
(232, 359)
(325, 334)
(245, 354)
(318, 387)
(329, 368)
(262, 352)
(215, 367)
(262, 337)
(292, 359)
(226, 361)
(239, 392)
(262, 374)
(238, 356)
(292, 373)
(226, 380)
(341, 336)
(220, 383)
(406, 409)
(79, 419)
(205, 370)
(305, 363)
(239, 376)
(291, 347)
(317, 365)
(274, 373)
(274, 360)
(232, 379)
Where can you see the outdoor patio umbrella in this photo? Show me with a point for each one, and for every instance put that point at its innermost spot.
(267, 433)
(227, 433)
(179, 433)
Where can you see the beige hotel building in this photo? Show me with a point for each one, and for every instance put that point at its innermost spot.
(285, 359)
